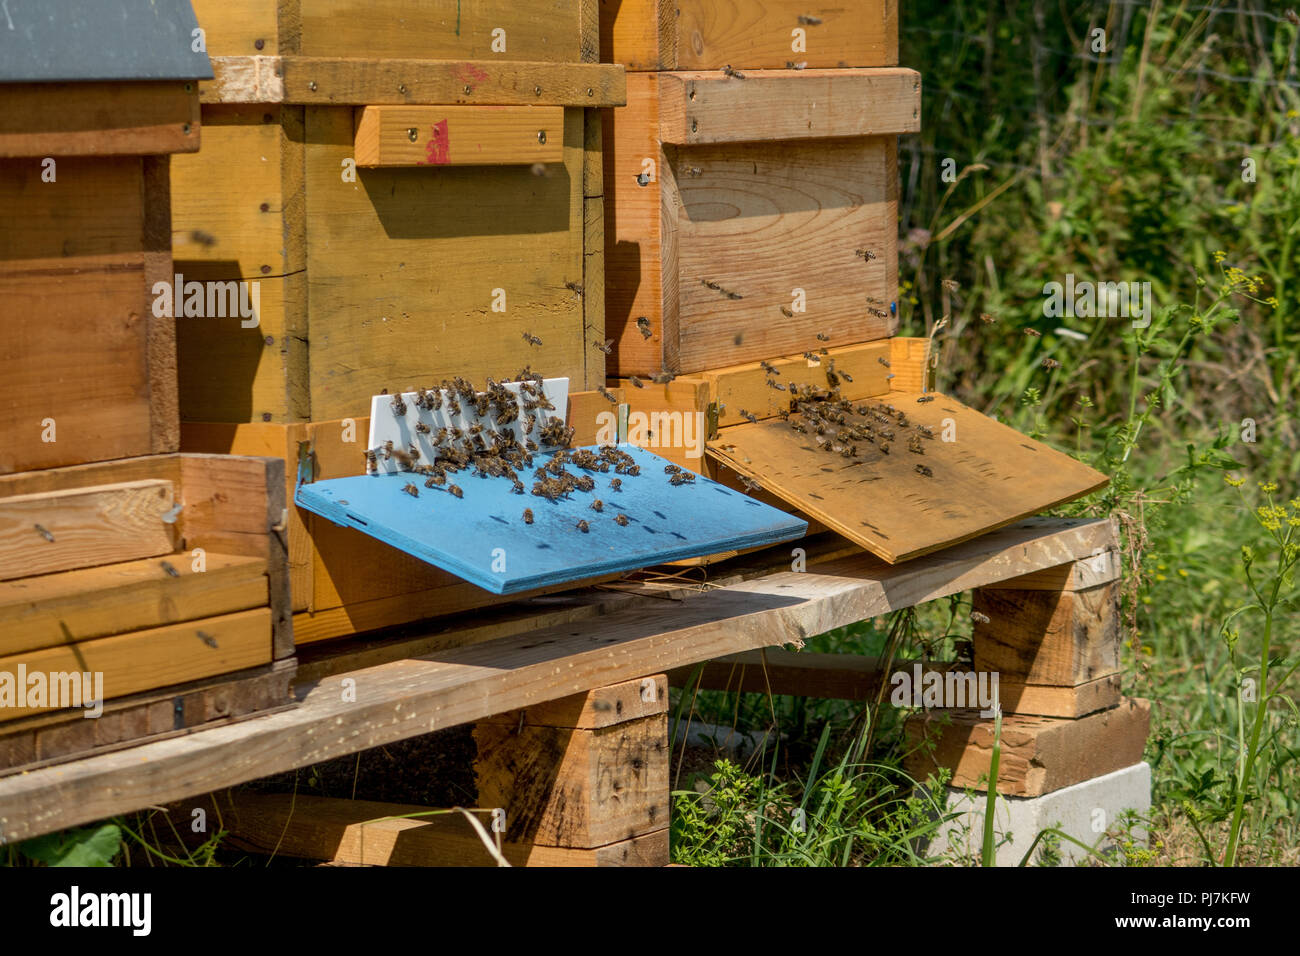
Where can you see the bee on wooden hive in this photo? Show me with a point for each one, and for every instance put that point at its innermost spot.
(883, 361)
(884, 447)
(922, 399)
(799, 427)
(607, 346)
(923, 470)
(769, 368)
(455, 491)
(532, 339)
(734, 74)
(774, 384)
(643, 326)
(914, 445)
(979, 618)
(621, 520)
(528, 516)
(850, 451)
(750, 485)
(411, 490)
(399, 406)
(636, 382)
(453, 406)
(574, 287)
(607, 394)
(787, 312)
(583, 527)
(823, 337)
(615, 484)
(662, 378)
(812, 358)
(748, 416)
(597, 505)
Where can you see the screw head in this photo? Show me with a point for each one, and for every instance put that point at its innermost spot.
(266, 416)
(259, 43)
(266, 270)
(468, 89)
(401, 88)
(270, 340)
(412, 134)
(185, 128)
(265, 207)
(312, 86)
(537, 91)
(541, 136)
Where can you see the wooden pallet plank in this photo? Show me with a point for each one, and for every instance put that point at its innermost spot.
(83, 527)
(370, 833)
(51, 609)
(144, 660)
(450, 687)
(1043, 637)
(596, 709)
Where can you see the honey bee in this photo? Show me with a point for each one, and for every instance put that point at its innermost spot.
(615, 484)
(1049, 364)
(750, 485)
(914, 445)
(528, 516)
(748, 416)
(574, 287)
(435, 480)
(988, 318)
(845, 375)
(583, 527)
(773, 383)
(884, 447)
(769, 368)
(411, 490)
(812, 358)
(850, 451)
(388, 450)
(923, 470)
(922, 399)
(734, 74)
(883, 361)
(532, 339)
(455, 491)
(785, 310)
(682, 478)
(372, 461)
(517, 487)
(1033, 333)
(607, 346)
(823, 337)
(597, 505)
(979, 618)
(453, 406)
(662, 378)
(809, 20)
(866, 254)
(405, 460)
(643, 326)
(585, 483)
(422, 428)
(621, 520)
(636, 381)
(671, 469)
(399, 406)
(606, 394)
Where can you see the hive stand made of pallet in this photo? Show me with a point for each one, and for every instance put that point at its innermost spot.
(87, 367)
(376, 271)
(166, 574)
(747, 34)
(747, 219)
(343, 582)
(523, 656)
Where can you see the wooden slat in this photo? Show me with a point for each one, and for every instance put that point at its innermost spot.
(911, 364)
(459, 135)
(47, 738)
(77, 605)
(354, 81)
(237, 27)
(1039, 754)
(1076, 576)
(82, 527)
(988, 476)
(699, 108)
(745, 388)
(748, 34)
(407, 698)
(1061, 638)
(365, 833)
(671, 419)
(598, 708)
(143, 660)
(99, 119)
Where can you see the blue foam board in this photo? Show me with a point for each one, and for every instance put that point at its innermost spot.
(483, 538)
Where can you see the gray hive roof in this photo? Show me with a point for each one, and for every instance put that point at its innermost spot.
(46, 41)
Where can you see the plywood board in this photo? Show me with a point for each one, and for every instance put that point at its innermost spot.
(484, 538)
(986, 476)
(99, 119)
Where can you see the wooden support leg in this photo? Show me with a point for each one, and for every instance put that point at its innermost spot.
(587, 772)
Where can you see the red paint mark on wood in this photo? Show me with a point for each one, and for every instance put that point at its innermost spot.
(469, 73)
(437, 151)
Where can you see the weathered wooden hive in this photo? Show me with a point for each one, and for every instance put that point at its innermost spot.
(158, 576)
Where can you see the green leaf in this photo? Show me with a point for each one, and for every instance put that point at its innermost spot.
(82, 847)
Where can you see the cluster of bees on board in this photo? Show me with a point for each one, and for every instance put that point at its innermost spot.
(486, 452)
(842, 427)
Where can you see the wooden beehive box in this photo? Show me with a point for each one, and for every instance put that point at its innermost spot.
(90, 108)
(164, 576)
(412, 186)
(753, 217)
